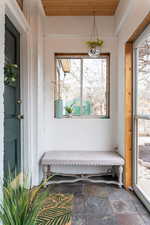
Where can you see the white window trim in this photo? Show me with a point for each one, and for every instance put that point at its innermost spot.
(84, 56)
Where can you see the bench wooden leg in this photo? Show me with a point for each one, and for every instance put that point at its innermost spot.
(120, 176)
(45, 173)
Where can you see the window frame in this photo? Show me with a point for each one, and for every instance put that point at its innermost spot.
(85, 56)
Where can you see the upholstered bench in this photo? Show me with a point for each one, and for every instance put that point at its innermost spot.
(106, 160)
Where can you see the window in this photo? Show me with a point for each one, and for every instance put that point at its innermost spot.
(82, 85)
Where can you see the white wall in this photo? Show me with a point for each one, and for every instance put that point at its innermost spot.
(128, 17)
(66, 35)
(122, 13)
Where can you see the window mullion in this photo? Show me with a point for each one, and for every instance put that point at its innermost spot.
(81, 91)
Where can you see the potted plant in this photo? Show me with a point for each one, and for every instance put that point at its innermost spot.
(22, 204)
(69, 110)
(94, 47)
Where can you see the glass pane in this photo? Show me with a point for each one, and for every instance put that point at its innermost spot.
(143, 78)
(94, 87)
(68, 85)
(143, 156)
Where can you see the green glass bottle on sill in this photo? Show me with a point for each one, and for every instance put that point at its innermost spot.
(59, 108)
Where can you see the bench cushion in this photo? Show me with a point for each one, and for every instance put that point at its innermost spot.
(89, 158)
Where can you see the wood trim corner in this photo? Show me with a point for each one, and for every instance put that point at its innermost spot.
(128, 113)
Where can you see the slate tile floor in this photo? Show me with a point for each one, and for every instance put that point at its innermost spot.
(98, 204)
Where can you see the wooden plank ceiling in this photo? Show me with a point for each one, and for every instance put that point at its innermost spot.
(20, 2)
(80, 7)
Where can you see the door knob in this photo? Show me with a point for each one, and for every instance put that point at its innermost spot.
(19, 101)
(20, 117)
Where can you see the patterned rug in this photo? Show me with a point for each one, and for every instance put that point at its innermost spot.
(56, 210)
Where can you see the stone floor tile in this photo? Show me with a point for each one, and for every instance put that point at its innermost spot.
(120, 194)
(107, 220)
(140, 207)
(96, 190)
(121, 206)
(113, 187)
(146, 219)
(129, 219)
(79, 220)
(78, 205)
(67, 189)
(98, 206)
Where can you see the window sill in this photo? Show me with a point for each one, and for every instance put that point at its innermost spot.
(84, 117)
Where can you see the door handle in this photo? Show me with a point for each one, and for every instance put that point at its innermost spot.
(20, 117)
(19, 101)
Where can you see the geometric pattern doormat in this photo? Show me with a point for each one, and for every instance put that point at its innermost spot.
(56, 210)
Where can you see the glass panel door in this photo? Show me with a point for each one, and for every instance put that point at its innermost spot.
(141, 158)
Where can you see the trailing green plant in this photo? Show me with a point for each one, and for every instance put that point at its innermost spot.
(93, 44)
(10, 72)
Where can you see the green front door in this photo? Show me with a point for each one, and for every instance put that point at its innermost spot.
(12, 146)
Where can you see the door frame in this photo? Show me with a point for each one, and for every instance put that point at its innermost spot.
(14, 13)
(128, 89)
(129, 176)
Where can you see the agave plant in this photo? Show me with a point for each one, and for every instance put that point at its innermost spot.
(23, 205)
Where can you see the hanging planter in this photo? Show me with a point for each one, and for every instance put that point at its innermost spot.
(95, 43)
(94, 47)
(10, 72)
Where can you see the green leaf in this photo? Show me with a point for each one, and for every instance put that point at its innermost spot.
(93, 44)
(10, 71)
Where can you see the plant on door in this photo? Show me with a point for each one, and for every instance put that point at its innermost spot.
(10, 72)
